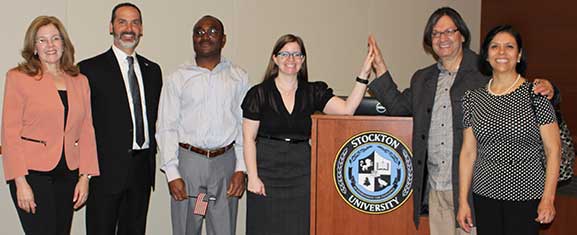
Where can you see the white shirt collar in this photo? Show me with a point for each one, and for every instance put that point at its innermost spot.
(224, 63)
(121, 55)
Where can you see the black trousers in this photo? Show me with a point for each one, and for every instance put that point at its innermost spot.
(53, 194)
(123, 212)
(500, 217)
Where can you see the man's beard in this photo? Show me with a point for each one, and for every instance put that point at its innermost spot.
(127, 44)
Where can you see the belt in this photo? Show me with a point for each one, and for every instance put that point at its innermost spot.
(288, 140)
(207, 152)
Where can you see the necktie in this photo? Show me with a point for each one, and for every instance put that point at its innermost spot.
(136, 102)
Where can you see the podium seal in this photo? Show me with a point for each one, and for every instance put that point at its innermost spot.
(373, 172)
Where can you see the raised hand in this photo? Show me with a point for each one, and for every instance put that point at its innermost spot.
(367, 65)
(378, 63)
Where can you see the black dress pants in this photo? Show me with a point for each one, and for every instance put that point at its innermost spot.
(500, 217)
(53, 194)
(123, 212)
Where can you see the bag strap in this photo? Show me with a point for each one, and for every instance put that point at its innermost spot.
(532, 95)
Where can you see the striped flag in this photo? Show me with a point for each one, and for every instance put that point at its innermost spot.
(200, 204)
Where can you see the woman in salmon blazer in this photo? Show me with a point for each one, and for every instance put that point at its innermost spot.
(49, 148)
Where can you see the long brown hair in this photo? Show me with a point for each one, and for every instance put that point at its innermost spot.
(272, 69)
(31, 64)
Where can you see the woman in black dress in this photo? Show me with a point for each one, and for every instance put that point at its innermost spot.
(276, 129)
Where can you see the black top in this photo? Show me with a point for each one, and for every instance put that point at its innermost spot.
(263, 103)
(62, 168)
(64, 98)
(509, 147)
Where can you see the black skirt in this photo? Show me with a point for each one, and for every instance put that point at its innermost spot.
(284, 169)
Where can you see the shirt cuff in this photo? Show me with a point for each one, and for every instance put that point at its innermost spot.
(240, 166)
(171, 173)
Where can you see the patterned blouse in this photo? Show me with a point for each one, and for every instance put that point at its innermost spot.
(510, 153)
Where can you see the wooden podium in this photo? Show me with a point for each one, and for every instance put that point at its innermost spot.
(330, 214)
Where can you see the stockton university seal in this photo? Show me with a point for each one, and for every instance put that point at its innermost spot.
(373, 172)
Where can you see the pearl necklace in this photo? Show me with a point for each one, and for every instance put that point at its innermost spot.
(506, 91)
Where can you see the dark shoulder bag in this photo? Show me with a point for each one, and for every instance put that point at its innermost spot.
(567, 148)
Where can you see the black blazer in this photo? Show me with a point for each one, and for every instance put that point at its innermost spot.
(417, 101)
(112, 119)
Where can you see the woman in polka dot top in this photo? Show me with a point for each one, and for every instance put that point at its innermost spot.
(511, 146)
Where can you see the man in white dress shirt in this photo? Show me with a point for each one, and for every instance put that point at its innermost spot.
(199, 134)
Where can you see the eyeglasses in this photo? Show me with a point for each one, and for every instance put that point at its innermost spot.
(297, 55)
(448, 32)
(212, 32)
(44, 41)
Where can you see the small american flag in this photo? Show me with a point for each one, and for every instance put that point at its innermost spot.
(200, 204)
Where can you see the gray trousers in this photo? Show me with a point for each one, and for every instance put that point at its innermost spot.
(212, 176)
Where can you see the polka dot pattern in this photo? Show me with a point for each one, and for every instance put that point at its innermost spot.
(509, 163)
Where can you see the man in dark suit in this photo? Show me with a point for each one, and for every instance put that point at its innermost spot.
(125, 89)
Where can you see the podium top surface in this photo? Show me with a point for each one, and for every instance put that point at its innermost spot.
(360, 117)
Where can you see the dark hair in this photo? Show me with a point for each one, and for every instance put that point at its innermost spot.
(214, 18)
(125, 4)
(434, 18)
(485, 66)
(31, 64)
(272, 69)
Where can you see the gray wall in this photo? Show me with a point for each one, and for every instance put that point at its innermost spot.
(334, 31)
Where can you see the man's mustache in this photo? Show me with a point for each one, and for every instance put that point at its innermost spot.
(205, 42)
(126, 33)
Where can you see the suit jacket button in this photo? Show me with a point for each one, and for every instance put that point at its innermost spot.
(130, 151)
(419, 162)
(423, 137)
